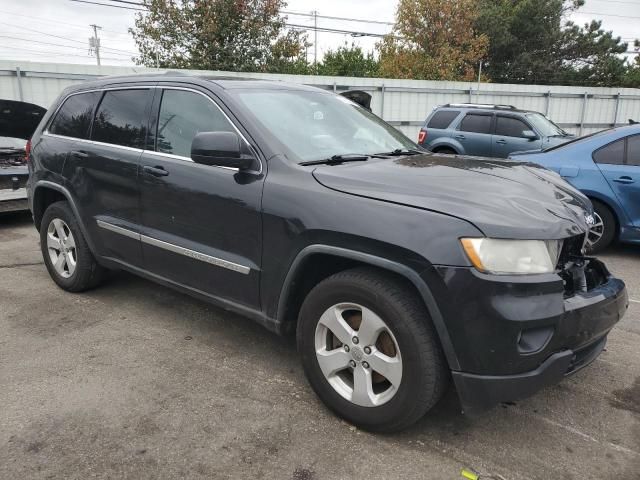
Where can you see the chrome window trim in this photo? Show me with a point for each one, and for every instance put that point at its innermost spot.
(153, 152)
(93, 142)
(218, 262)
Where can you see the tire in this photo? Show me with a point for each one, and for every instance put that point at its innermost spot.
(423, 377)
(604, 231)
(446, 151)
(79, 271)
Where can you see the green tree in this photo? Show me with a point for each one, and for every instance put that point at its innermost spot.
(433, 40)
(531, 42)
(348, 61)
(234, 35)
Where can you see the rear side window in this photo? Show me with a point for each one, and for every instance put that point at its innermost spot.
(510, 127)
(612, 154)
(74, 117)
(182, 116)
(442, 119)
(476, 123)
(121, 118)
(633, 150)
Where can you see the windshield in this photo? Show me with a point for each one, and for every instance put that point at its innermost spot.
(317, 125)
(545, 126)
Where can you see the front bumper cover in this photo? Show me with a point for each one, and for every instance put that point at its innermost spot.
(513, 338)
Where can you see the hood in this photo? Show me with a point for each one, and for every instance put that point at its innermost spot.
(19, 119)
(547, 143)
(503, 198)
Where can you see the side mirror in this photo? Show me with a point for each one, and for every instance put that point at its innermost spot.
(530, 134)
(221, 149)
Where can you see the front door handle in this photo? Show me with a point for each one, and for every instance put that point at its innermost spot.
(624, 179)
(155, 171)
(501, 142)
(79, 154)
(460, 137)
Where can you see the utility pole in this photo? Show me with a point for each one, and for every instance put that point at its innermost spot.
(315, 36)
(94, 42)
(479, 78)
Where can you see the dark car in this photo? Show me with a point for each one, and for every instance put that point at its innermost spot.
(488, 130)
(18, 121)
(397, 269)
(604, 166)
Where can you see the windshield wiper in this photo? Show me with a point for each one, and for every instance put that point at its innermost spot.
(402, 152)
(338, 159)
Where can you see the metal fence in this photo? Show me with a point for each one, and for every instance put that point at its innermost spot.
(403, 103)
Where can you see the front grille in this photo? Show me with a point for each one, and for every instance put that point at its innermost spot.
(579, 273)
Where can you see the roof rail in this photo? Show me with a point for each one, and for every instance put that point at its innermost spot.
(481, 105)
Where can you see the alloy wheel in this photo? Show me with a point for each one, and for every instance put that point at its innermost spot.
(61, 247)
(358, 354)
(596, 231)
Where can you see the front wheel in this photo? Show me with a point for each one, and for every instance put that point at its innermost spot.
(603, 231)
(369, 350)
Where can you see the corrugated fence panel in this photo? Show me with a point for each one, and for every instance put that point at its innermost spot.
(404, 103)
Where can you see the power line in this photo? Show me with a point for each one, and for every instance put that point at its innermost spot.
(110, 5)
(50, 21)
(605, 14)
(346, 19)
(51, 53)
(55, 44)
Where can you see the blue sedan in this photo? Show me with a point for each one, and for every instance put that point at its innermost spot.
(605, 166)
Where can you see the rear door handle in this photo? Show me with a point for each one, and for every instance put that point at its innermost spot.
(501, 142)
(155, 171)
(460, 137)
(624, 179)
(79, 153)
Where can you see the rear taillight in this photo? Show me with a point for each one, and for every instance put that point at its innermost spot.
(27, 150)
(422, 136)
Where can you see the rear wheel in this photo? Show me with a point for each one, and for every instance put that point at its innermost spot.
(65, 251)
(369, 350)
(603, 231)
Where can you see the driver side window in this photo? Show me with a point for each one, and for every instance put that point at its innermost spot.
(182, 116)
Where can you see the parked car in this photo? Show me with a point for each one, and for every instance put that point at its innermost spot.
(488, 130)
(606, 168)
(397, 269)
(18, 121)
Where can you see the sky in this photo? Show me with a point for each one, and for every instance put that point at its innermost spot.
(58, 30)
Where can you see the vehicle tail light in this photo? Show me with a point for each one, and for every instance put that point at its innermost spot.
(27, 150)
(422, 136)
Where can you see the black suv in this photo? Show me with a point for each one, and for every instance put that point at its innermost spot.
(397, 269)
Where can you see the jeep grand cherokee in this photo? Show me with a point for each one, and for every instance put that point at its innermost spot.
(396, 268)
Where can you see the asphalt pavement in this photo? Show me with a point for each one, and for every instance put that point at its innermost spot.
(133, 380)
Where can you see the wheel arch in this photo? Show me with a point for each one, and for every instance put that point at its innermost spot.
(303, 275)
(44, 194)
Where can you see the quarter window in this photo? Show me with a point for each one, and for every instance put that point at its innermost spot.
(475, 123)
(120, 118)
(510, 127)
(633, 150)
(612, 154)
(182, 116)
(442, 119)
(74, 117)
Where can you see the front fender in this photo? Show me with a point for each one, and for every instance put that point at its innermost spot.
(364, 258)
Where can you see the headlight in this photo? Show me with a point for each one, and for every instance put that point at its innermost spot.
(517, 257)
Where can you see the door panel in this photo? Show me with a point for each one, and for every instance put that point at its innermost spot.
(104, 171)
(201, 225)
(474, 134)
(619, 162)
